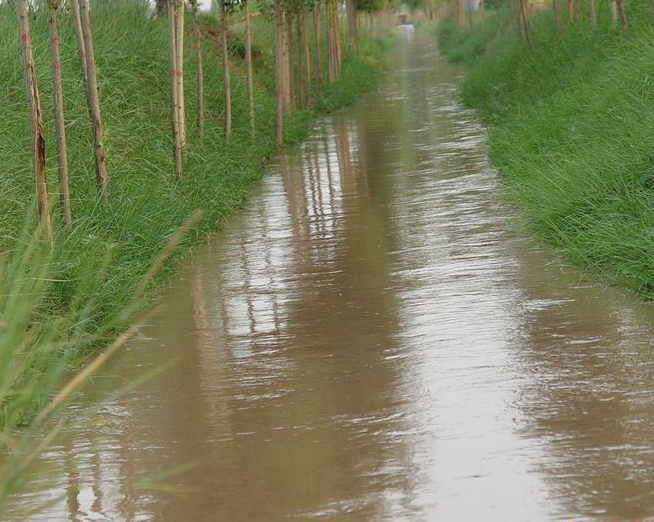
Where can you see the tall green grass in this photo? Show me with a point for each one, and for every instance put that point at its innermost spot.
(97, 264)
(570, 129)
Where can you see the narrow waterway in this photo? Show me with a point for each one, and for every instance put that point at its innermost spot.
(374, 339)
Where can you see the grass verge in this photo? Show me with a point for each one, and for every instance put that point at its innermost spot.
(570, 130)
(97, 264)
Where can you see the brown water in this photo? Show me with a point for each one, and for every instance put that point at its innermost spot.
(373, 339)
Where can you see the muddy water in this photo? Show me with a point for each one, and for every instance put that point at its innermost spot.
(373, 339)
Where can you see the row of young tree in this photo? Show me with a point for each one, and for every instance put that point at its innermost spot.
(520, 15)
(299, 48)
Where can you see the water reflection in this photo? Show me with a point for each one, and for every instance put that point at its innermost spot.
(372, 339)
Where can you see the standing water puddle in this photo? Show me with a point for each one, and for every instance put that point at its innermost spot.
(372, 340)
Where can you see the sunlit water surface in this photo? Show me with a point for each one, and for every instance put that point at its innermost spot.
(374, 339)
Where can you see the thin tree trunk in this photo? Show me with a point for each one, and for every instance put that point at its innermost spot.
(174, 95)
(289, 57)
(525, 19)
(316, 50)
(36, 122)
(459, 14)
(557, 19)
(93, 99)
(199, 75)
(517, 19)
(623, 18)
(300, 60)
(571, 11)
(352, 26)
(592, 13)
(482, 5)
(81, 52)
(469, 13)
(307, 56)
(60, 127)
(179, 62)
(248, 66)
(337, 31)
(329, 32)
(279, 89)
(578, 10)
(227, 93)
(614, 14)
(285, 66)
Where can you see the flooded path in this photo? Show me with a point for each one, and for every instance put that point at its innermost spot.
(372, 339)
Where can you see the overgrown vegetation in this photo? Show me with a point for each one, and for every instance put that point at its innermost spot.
(570, 129)
(97, 263)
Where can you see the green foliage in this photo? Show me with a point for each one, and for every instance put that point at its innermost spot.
(571, 131)
(98, 262)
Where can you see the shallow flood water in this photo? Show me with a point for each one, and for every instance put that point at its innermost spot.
(374, 339)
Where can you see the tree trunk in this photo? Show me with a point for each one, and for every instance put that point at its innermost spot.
(300, 59)
(337, 39)
(307, 56)
(623, 18)
(525, 19)
(93, 99)
(179, 77)
(81, 52)
(279, 62)
(227, 93)
(557, 20)
(316, 50)
(571, 11)
(60, 127)
(614, 14)
(248, 66)
(329, 33)
(482, 6)
(517, 19)
(592, 13)
(459, 14)
(174, 95)
(36, 122)
(352, 26)
(469, 13)
(289, 58)
(199, 74)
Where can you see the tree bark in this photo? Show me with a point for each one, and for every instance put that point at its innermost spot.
(199, 74)
(352, 26)
(329, 32)
(174, 95)
(623, 18)
(316, 50)
(525, 19)
(469, 13)
(36, 121)
(459, 14)
(614, 14)
(93, 99)
(592, 13)
(557, 21)
(81, 52)
(307, 56)
(179, 76)
(248, 66)
(300, 61)
(289, 57)
(60, 127)
(571, 11)
(279, 62)
(227, 93)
